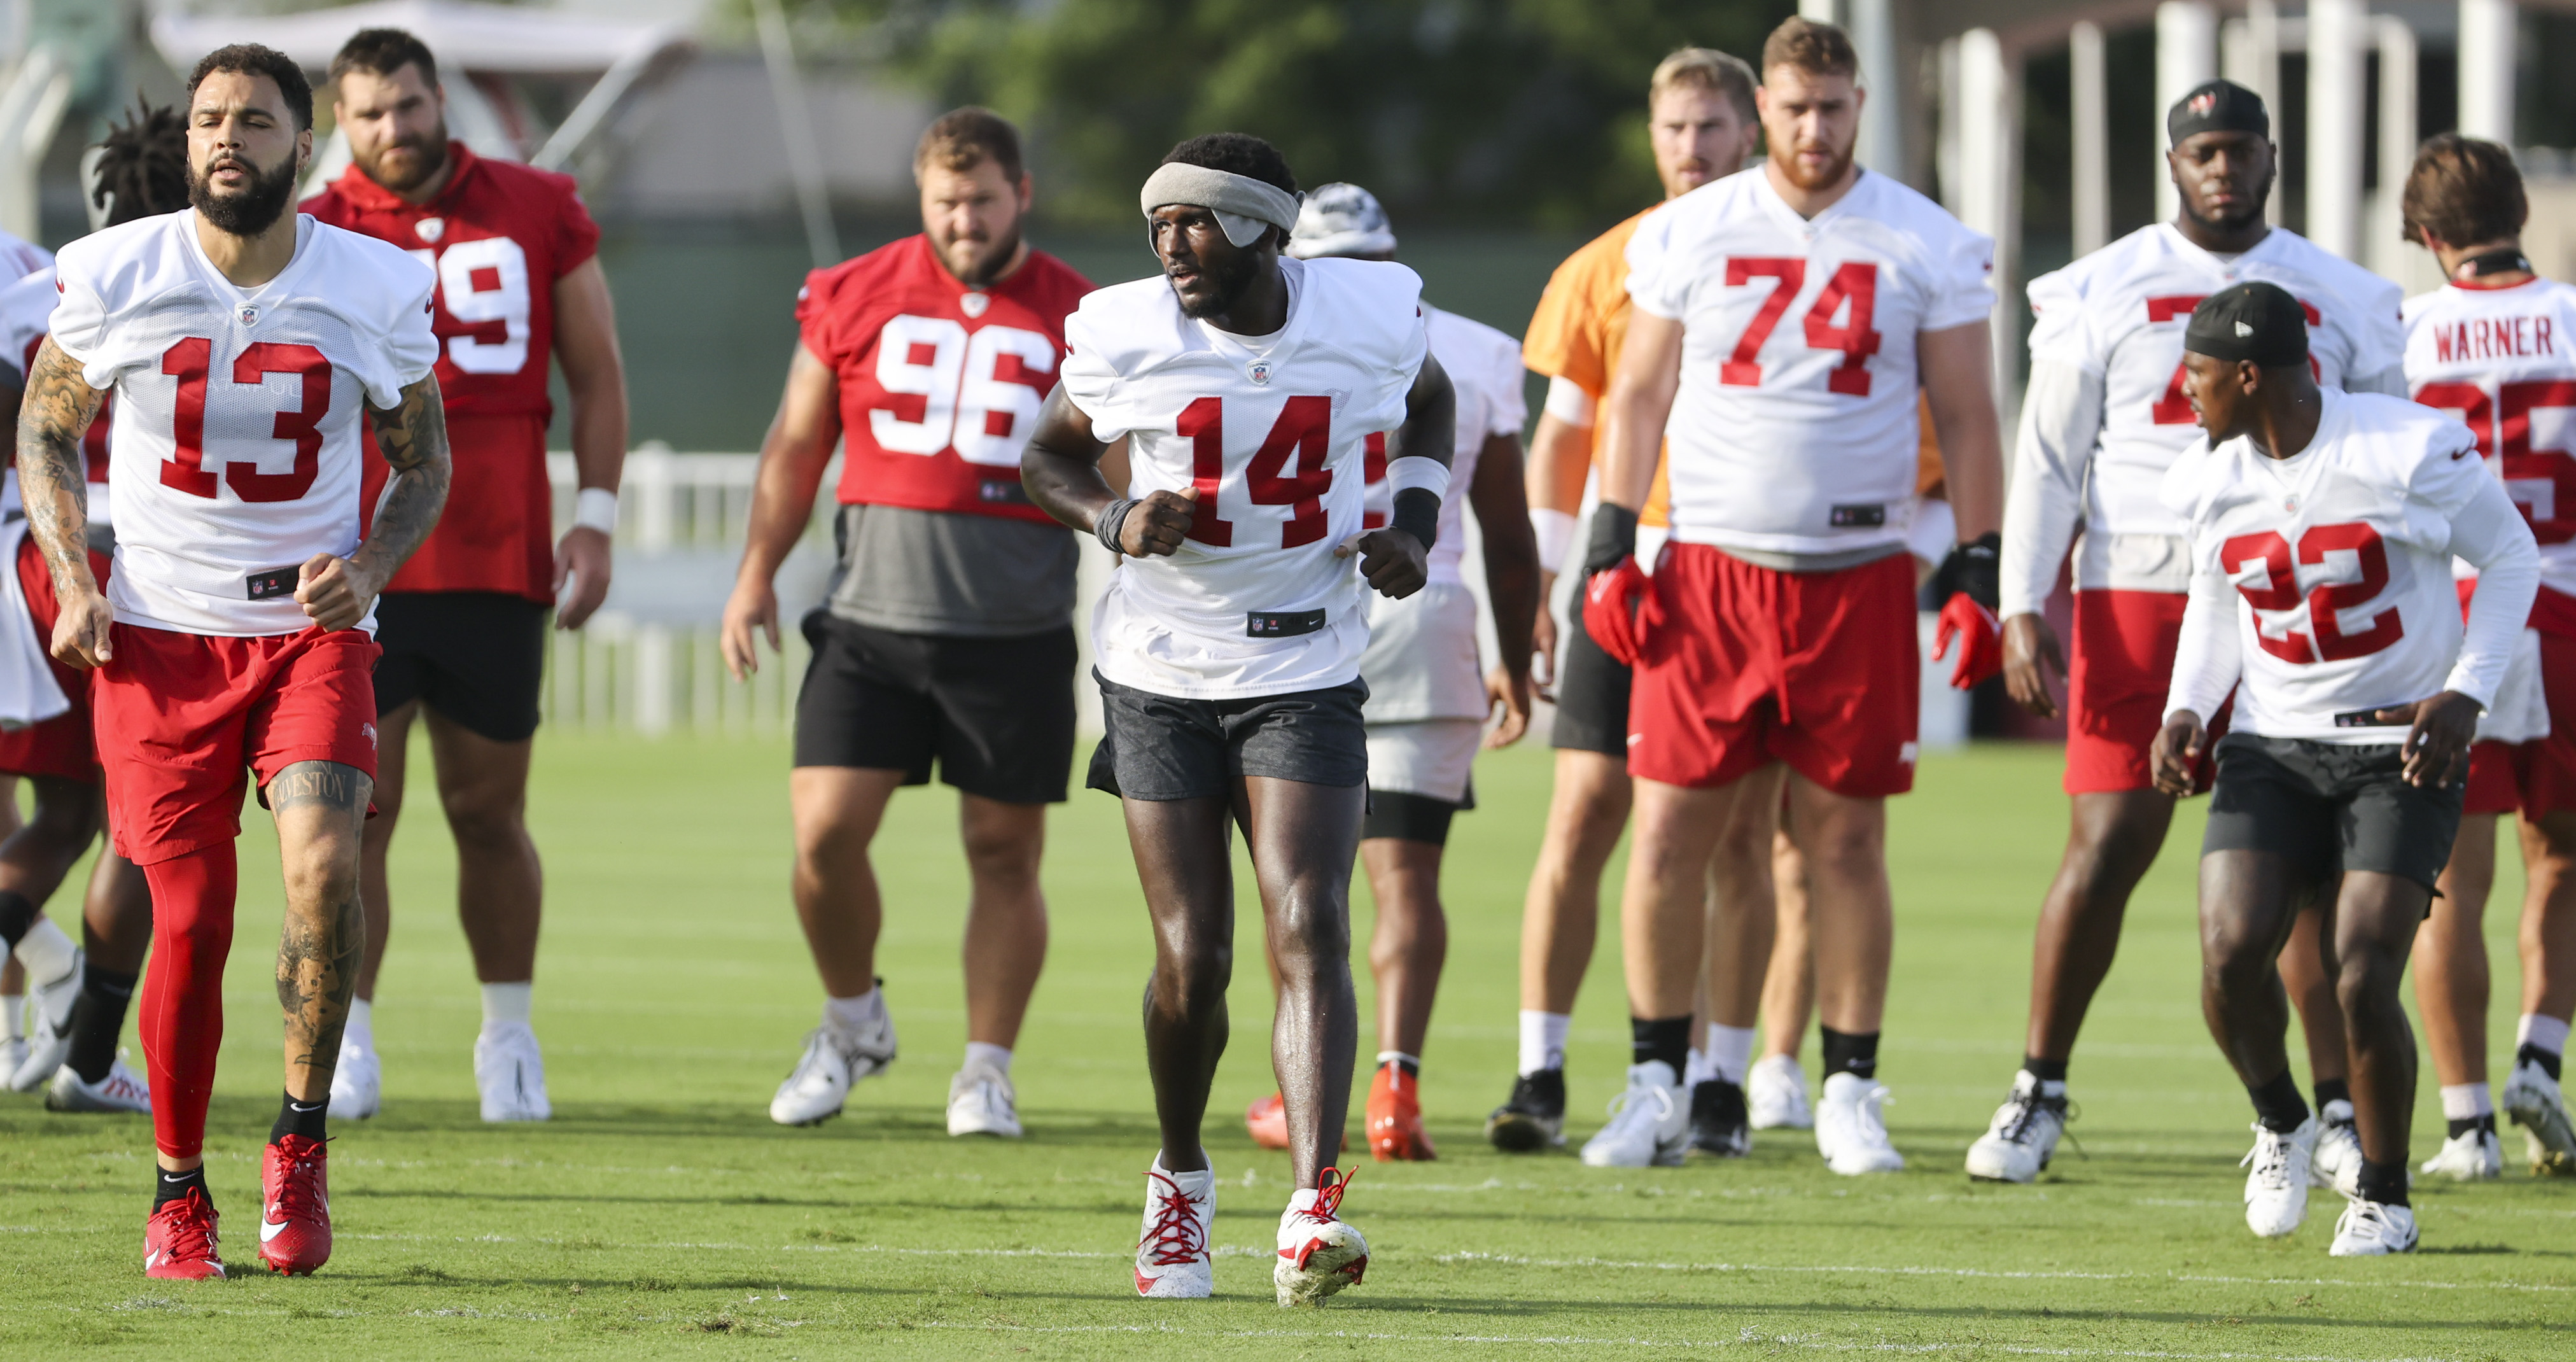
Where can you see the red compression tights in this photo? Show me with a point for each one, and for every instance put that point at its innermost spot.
(182, 1017)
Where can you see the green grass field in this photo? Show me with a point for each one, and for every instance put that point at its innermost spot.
(661, 1213)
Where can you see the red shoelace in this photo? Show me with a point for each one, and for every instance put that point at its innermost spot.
(1329, 1187)
(187, 1227)
(1174, 1238)
(299, 1192)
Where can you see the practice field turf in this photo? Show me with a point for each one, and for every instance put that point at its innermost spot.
(661, 1212)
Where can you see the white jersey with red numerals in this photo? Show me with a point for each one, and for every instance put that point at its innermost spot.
(237, 443)
(2106, 415)
(2499, 359)
(26, 310)
(1794, 431)
(1484, 366)
(1271, 431)
(2324, 580)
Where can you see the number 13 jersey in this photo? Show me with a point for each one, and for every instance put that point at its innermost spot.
(1794, 432)
(1271, 431)
(236, 450)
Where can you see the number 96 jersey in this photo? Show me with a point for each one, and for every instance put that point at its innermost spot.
(1271, 432)
(236, 451)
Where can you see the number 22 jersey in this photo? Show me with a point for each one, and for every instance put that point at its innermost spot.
(237, 448)
(1272, 431)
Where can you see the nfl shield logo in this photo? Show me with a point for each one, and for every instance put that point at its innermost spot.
(1259, 372)
(973, 304)
(249, 314)
(430, 229)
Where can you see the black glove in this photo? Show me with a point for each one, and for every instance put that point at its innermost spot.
(1614, 536)
(1974, 568)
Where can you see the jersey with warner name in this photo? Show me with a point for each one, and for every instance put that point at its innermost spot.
(2499, 360)
(1484, 366)
(2338, 561)
(940, 384)
(236, 448)
(1794, 430)
(1272, 432)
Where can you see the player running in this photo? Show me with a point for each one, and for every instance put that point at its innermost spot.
(2102, 419)
(1231, 637)
(463, 624)
(949, 631)
(2492, 346)
(1702, 123)
(243, 342)
(2322, 526)
(1810, 300)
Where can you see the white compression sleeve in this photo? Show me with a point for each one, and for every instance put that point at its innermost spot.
(2061, 419)
(1568, 402)
(2489, 532)
(2209, 655)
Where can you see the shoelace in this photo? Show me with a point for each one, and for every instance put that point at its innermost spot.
(187, 1227)
(2270, 1156)
(1174, 1238)
(1620, 1105)
(296, 1192)
(1329, 1187)
(1865, 1113)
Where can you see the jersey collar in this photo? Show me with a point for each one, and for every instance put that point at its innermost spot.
(2473, 286)
(1789, 217)
(2262, 249)
(369, 195)
(185, 223)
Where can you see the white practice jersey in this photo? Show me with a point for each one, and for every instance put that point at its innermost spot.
(2499, 359)
(2106, 416)
(237, 442)
(2323, 580)
(19, 256)
(1272, 431)
(1794, 432)
(1484, 365)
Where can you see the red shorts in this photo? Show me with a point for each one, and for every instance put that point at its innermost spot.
(2116, 680)
(2536, 777)
(60, 746)
(1749, 665)
(2496, 771)
(181, 717)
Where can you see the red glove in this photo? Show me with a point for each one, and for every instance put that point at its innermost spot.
(1979, 635)
(1614, 608)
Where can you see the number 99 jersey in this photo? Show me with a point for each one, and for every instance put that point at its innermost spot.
(1271, 431)
(1794, 430)
(237, 448)
(2498, 359)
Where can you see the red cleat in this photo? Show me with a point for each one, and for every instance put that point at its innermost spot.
(295, 1207)
(179, 1240)
(1395, 1131)
(1267, 1122)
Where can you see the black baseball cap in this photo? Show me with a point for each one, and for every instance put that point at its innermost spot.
(2216, 106)
(2250, 321)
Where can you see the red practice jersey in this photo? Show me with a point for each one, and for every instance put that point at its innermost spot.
(940, 384)
(500, 235)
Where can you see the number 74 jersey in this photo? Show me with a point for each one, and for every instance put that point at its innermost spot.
(2498, 359)
(237, 449)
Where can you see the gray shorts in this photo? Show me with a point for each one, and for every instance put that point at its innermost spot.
(1161, 747)
(2330, 808)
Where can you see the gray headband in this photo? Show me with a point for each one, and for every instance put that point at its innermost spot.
(1242, 204)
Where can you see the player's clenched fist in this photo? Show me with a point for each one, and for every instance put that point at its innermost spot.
(1156, 524)
(80, 629)
(2176, 751)
(1393, 561)
(332, 592)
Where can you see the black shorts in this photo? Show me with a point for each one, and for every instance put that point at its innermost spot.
(2330, 808)
(996, 713)
(1410, 817)
(1162, 747)
(1591, 695)
(477, 657)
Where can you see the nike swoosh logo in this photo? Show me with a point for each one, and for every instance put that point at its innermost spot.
(268, 1231)
(2459, 454)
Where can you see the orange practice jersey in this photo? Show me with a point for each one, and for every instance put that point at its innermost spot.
(1581, 322)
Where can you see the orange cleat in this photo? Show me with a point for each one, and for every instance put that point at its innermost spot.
(1267, 1121)
(1395, 1131)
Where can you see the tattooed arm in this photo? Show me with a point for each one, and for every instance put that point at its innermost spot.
(413, 437)
(53, 480)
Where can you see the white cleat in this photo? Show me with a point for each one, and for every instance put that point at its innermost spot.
(2369, 1229)
(1649, 1122)
(2470, 1156)
(512, 1075)
(2276, 1190)
(13, 1052)
(2336, 1162)
(1319, 1253)
(981, 1101)
(2023, 1136)
(1775, 1095)
(2531, 1097)
(357, 1085)
(122, 1090)
(833, 1060)
(1851, 1131)
(1172, 1257)
(49, 1041)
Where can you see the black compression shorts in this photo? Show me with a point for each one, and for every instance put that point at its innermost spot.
(477, 657)
(2330, 808)
(1591, 694)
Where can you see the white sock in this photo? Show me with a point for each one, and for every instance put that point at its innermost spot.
(13, 1026)
(994, 1057)
(507, 1004)
(1699, 1068)
(1386, 1057)
(1730, 1051)
(1543, 1040)
(49, 955)
(2466, 1101)
(361, 1030)
(852, 1015)
(2549, 1033)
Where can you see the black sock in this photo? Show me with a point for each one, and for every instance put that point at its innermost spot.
(2333, 1090)
(98, 1018)
(2278, 1104)
(17, 914)
(1407, 1067)
(2384, 1183)
(2533, 1054)
(297, 1118)
(1846, 1053)
(169, 1186)
(2045, 1070)
(2462, 1125)
(1664, 1038)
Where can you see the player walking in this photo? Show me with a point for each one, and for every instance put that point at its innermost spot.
(1811, 300)
(2322, 526)
(2492, 346)
(2103, 417)
(464, 623)
(949, 630)
(242, 342)
(1230, 640)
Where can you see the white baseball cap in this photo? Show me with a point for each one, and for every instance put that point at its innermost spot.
(1341, 219)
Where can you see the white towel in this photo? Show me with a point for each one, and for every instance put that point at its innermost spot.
(29, 694)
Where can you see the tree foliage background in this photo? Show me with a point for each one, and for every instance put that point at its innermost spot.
(1461, 113)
